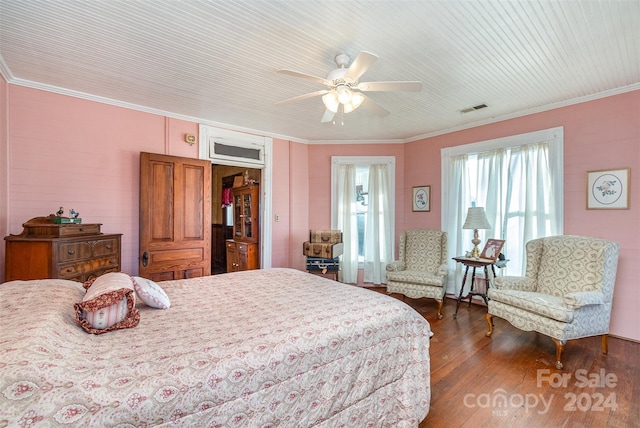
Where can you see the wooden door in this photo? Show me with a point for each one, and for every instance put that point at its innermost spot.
(175, 217)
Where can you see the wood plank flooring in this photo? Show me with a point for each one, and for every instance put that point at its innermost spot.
(510, 380)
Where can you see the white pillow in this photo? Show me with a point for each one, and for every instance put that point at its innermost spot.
(150, 293)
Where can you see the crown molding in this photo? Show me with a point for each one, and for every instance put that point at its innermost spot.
(522, 113)
(6, 73)
(144, 109)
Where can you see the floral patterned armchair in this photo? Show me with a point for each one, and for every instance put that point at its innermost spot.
(566, 292)
(421, 270)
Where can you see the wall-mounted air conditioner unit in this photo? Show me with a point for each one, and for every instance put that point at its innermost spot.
(232, 147)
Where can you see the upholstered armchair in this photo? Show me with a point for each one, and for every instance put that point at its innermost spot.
(421, 268)
(566, 292)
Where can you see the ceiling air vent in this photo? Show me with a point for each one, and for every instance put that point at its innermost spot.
(474, 108)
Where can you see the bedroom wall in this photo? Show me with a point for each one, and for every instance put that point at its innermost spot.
(80, 154)
(320, 182)
(300, 195)
(290, 202)
(320, 178)
(600, 134)
(58, 150)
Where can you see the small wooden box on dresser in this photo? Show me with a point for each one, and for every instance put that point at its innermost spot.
(77, 252)
(242, 250)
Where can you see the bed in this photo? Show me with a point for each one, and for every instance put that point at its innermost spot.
(261, 348)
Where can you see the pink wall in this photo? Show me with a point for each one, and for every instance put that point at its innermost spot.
(600, 134)
(300, 196)
(58, 150)
(281, 203)
(290, 204)
(320, 178)
(80, 154)
(320, 182)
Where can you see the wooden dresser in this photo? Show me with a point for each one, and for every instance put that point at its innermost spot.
(77, 252)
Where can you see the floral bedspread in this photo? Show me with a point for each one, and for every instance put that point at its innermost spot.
(262, 348)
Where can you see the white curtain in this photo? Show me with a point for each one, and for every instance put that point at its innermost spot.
(459, 193)
(516, 187)
(347, 221)
(378, 242)
(529, 203)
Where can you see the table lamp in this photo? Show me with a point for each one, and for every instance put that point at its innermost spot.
(476, 219)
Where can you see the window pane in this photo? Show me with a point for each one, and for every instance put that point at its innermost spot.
(236, 151)
(362, 195)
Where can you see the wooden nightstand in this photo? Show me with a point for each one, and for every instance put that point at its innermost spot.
(473, 263)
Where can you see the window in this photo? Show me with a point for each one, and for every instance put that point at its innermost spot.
(362, 204)
(362, 199)
(518, 180)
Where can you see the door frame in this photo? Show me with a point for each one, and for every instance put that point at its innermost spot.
(266, 199)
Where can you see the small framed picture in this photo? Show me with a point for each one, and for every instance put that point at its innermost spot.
(421, 198)
(492, 249)
(608, 189)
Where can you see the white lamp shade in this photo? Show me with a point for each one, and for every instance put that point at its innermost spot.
(344, 94)
(476, 219)
(356, 100)
(350, 100)
(331, 102)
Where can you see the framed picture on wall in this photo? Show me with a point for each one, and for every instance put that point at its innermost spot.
(421, 198)
(608, 189)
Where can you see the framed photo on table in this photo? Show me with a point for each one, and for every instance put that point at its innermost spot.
(608, 189)
(421, 198)
(492, 249)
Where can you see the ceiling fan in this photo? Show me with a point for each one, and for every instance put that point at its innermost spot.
(344, 92)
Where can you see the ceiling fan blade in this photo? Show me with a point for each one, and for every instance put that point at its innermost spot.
(304, 76)
(374, 107)
(327, 116)
(363, 61)
(303, 97)
(390, 86)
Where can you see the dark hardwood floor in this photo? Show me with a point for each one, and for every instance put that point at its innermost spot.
(510, 380)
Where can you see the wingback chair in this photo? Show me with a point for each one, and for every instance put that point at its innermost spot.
(421, 268)
(566, 292)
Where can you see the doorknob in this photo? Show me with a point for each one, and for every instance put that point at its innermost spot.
(145, 259)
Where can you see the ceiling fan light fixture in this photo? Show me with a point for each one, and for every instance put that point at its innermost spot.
(330, 101)
(344, 94)
(356, 101)
(343, 87)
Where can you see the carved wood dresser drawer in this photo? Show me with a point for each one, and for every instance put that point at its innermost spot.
(77, 252)
(90, 257)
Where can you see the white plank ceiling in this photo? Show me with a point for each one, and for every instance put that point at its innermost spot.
(215, 62)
